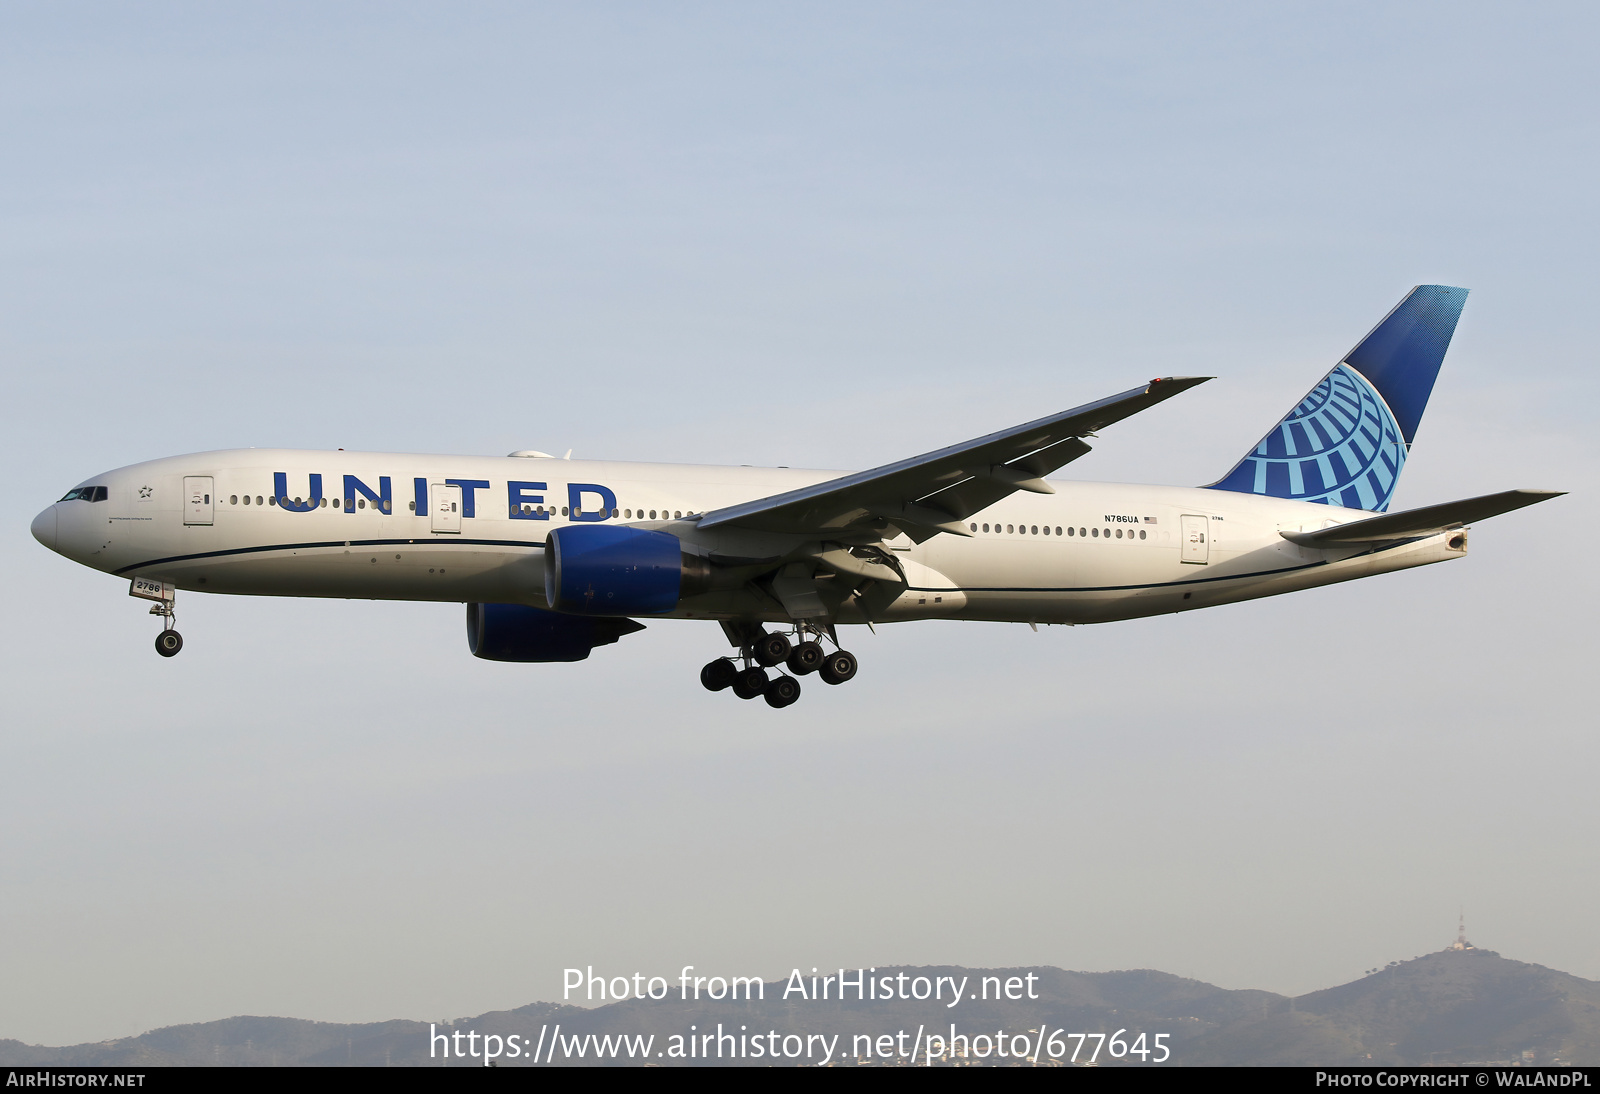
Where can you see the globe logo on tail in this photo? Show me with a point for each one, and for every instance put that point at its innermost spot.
(1340, 446)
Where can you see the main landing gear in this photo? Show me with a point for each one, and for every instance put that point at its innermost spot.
(767, 650)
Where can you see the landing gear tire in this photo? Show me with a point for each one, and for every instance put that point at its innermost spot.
(771, 649)
(838, 667)
(168, 643)
(719, 675)
(806, 658)
(782, 691)
(750, 683)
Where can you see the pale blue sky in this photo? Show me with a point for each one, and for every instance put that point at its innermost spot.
(810, 235)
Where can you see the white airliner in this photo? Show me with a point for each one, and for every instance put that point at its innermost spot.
(553, 557)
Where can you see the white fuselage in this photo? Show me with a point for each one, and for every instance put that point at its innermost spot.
(1179, 547)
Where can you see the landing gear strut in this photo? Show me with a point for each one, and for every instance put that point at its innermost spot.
(169, 641)
(165, 595)
(746, 674)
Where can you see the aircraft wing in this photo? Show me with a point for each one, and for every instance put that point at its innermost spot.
(936, 492)
(1427, 521)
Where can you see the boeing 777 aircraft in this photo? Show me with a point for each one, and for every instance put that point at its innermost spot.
(554, 557)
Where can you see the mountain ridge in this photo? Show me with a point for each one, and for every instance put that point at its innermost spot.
(1460, 1005)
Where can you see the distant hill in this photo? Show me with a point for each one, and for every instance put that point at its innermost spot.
(1461, 1006)
(1457, 1006)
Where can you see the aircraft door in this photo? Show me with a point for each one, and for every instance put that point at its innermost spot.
(445, 503)
(197, 503)
(1195, 534)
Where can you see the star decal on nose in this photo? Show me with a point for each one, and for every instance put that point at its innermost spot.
(145, 491)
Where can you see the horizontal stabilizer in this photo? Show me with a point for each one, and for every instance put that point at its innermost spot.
(1427, 521)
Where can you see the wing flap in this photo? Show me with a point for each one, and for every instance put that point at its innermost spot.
(1427, 521)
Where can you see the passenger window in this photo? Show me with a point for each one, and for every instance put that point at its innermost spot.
(1035, 529)
(272, 501)
(1069, 531)
(1141, 533)
(258, 499)
(1096, 533)
(233, 499)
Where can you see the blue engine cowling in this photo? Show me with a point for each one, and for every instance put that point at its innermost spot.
(600, 570)
(517, 632)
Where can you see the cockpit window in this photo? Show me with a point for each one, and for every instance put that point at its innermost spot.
(86, 493)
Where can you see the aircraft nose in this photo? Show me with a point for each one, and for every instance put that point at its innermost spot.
(44, 528)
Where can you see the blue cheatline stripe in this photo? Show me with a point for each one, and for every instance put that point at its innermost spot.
(910, 588)
(537, 546)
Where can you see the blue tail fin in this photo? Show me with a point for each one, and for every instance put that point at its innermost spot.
(1347, 440)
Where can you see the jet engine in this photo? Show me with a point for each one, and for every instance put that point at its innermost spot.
(612, 571)
(517, 632)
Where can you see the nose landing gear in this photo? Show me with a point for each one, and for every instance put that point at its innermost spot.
(169, 641)
(760, 650)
